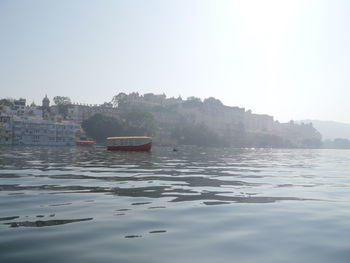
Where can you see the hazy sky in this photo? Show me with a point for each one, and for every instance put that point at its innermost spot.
(289, 59)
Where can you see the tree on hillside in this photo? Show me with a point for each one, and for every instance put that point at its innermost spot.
(192, 102)
(213, 101)
(61, 100)
(100, 127)
(138, 123)
(132, 123)
(119, 99)
(63, 103)
(196, 134)
(107, 105)
(6, 102)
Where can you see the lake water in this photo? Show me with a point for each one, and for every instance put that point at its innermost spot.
(70, 204)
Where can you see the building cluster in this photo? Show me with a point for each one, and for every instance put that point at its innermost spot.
(210, 111)
(235, 124)
(60, 124)
(22, 124)
(136, 101)
(77, 113)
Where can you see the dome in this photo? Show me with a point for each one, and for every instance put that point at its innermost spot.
(46, 101)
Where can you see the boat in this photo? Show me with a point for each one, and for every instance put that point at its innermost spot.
(131, 143)
(83, 141)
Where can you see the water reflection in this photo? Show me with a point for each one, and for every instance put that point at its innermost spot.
(157, 231)
(133, 236)
(43, 223)
(69, 204)
(191, 174)
(8, 218)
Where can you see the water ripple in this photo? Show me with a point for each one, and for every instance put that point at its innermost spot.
(193, 205)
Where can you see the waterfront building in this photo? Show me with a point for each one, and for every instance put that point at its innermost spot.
(80, 112)
(19, 107)
(33, 111)
(258, 122)
(42, 132)
(14, 107)
(5, 130)
(5, 110)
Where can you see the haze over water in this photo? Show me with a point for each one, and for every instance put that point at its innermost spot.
(195, 205)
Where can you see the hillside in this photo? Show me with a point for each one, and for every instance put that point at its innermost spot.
(210, 122)
(330, 129)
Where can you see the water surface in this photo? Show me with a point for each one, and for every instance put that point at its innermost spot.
(67, 204)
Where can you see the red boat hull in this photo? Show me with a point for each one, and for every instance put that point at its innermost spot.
(143, 147)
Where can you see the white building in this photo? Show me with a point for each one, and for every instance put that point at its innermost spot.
(41, 132)
(33, 111)
(78, 113)
(19, 107)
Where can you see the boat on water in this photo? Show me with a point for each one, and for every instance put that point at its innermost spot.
(84, 141)
(131, 143)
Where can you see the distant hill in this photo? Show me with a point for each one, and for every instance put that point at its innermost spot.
(330, 129)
